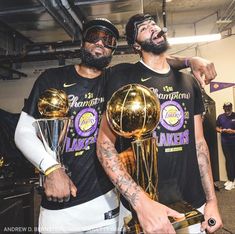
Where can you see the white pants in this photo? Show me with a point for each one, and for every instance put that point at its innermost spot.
(111, 229)
(88, 217)
(193, 229)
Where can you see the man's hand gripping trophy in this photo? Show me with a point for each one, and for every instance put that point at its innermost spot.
(52, 129)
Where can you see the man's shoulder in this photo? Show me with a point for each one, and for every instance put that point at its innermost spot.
(220, 116)
(122, 67)
(183, 74)
(59, 69)
(55, 72)
(186, 77)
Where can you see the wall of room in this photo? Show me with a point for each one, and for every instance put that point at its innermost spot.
(222, 53)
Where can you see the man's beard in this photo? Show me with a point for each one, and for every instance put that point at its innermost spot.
(90, 60)
(228, 113)
(157, 49)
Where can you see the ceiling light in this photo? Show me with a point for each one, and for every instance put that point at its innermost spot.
(194, 39)
(223, 21)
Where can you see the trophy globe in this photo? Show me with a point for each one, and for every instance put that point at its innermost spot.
(133, 111)
(53, 103)
(52, 127)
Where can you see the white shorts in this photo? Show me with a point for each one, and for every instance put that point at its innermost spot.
(83, 217)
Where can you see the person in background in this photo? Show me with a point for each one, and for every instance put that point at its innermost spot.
(183, 156)
(86, 201)
(225, 125)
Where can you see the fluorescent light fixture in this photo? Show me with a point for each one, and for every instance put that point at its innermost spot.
(194, 39)
(224, 21)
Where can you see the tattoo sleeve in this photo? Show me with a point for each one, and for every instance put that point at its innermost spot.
(205, 169)
(118, 174)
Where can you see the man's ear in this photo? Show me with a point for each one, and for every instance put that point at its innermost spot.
(137, 46)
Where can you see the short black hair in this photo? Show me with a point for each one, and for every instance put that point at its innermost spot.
(227, 105)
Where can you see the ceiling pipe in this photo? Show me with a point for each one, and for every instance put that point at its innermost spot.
(55, 54)
(21, 10)
(58, 11)
(84, 2)
(67, 6)
(13, 71)
(21, 58)
(61, 49)
(164, 13)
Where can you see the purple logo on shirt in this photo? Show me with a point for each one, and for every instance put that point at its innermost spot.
(86, 122)
(172, 115)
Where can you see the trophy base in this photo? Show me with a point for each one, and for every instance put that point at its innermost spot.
(131, 226)
(192, 216)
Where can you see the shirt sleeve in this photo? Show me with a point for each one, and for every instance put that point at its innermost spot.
(110, 86)
(116, 78)
(39, 87)
(29, 144)
(26, 138)
(199, 107)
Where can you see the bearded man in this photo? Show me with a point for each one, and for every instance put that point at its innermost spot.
(183, 157)
(86, 201)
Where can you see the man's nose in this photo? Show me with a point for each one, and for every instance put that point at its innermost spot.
(100, 42)
(151, 28)
(154, 28)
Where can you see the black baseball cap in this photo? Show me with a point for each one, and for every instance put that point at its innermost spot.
(101, 23)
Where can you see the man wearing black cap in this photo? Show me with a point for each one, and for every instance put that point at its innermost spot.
(93, 204)
(225, 124)
(183, 158)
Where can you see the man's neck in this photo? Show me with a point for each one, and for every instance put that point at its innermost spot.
(87, 72)
(156, 63)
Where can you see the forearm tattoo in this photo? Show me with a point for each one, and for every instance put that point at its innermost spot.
(205, 169)
(113, 166)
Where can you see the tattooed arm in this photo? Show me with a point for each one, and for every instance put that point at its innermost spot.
(211, 208)
(152, 215)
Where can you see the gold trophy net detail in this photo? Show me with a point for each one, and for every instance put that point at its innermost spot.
(134, 111)
(52, 128)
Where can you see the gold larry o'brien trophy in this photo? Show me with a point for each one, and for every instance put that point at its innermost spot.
(52, 128)
(134, 111)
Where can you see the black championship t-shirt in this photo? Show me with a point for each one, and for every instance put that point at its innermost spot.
(86, 97)
(180, 99)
